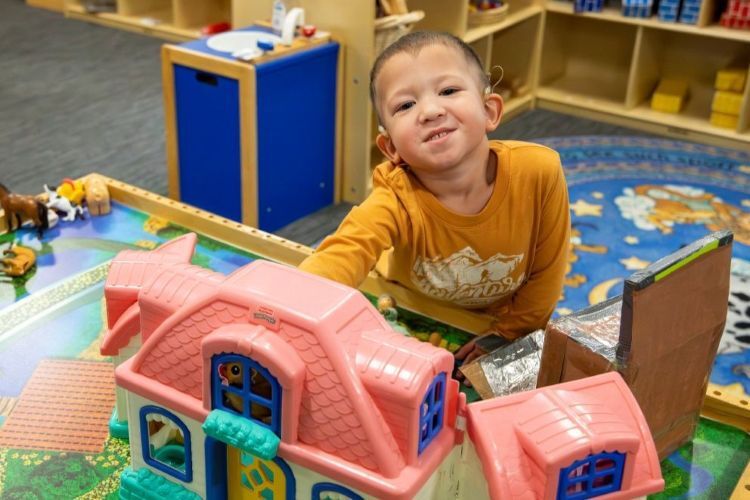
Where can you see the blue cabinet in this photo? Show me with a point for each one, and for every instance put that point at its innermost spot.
(255, 143)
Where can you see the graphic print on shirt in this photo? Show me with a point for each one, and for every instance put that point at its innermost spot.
(465, 279)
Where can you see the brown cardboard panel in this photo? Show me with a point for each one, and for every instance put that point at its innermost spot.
(553, 356)
(580, 362)
(474, 373)
(675, 384)
(675, 436)
(680, 307)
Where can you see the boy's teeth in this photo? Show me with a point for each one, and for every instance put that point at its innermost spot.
(438, 136)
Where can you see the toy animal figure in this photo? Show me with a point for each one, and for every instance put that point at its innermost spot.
(73, 190)
(97, 195)
(232, 374)
(62, 204)
(18, 260)
(17, 205)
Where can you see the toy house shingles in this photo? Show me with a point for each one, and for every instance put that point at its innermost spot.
(279, 384)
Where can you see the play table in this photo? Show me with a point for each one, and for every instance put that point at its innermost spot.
(57, 391)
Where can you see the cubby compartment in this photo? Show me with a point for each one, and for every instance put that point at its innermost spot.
(189, 14)
(695, 59)
(452, 19)
(156, 10)
(585, 59)
(516, 51)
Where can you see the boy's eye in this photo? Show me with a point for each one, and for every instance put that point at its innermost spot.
(449, 91)
(404, 106)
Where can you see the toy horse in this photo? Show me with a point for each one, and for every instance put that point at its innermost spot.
(18, 260)
(62, 204)
(22, 205)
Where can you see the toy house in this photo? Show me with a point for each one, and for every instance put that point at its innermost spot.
(661, 335)
(273, 383)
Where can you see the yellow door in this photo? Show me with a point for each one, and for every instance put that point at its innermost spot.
(252, 478)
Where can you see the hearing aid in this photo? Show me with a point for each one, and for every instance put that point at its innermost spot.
(382, 130)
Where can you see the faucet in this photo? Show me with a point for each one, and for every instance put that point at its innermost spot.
(295, 17)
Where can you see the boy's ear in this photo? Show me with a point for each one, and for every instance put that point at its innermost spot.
(493, 105)
(385, 145)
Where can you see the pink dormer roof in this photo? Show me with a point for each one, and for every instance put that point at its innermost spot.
(550, 428)
(347, 371)
(397, 365)
(128, 272)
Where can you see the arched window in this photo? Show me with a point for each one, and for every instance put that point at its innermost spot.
(165, 442)
(595, 475)
(331, 491)
(431, 412)
(245, 387)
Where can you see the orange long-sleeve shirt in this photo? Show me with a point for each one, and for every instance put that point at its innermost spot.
(509, 259)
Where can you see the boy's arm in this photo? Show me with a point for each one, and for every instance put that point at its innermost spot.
(532, 305)
(353, 250)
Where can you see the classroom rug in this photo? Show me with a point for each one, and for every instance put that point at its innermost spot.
(634, 200)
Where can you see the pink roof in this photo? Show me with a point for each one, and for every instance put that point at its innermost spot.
(388, 361)
(352, 361)
(129, 270)
(552, 427)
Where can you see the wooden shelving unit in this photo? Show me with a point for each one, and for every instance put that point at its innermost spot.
(173, 20)
(598, 65)
(606, 66)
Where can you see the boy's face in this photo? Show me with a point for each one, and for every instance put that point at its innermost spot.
(433, 109)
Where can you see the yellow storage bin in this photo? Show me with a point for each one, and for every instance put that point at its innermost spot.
(724, 120)
(731, 79)
(670, 95)
(728, 103)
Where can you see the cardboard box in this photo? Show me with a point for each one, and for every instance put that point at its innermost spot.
(661, 335)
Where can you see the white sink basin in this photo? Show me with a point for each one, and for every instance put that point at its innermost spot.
(240, 41)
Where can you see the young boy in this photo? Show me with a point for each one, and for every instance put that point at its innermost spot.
(478, 223)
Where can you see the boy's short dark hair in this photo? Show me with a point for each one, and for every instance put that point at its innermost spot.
(412, 43)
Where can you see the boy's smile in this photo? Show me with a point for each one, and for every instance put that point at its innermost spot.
(433, 108)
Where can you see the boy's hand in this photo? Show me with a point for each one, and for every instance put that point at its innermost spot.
(478, 346)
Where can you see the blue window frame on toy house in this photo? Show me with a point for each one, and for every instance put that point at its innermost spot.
(325, 491)
(165, 442)
(595, 475)
(244, 387)
(431, 411)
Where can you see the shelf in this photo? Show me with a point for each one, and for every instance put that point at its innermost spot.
(192, 15)
(157, 23)
(585, 57)
(692, 119)
(613, 15)
(477, 32)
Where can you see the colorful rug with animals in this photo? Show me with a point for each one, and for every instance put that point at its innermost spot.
(635, 200)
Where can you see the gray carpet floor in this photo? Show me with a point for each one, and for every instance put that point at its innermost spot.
(77, 98)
